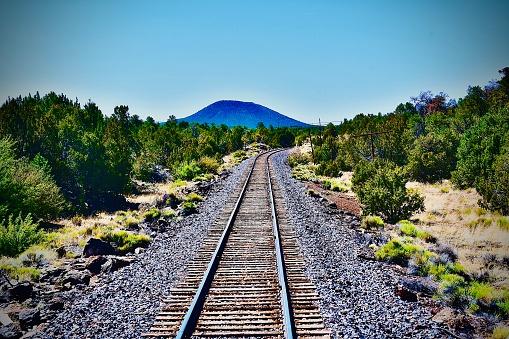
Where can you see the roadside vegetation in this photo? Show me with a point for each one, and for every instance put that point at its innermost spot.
(437, 186)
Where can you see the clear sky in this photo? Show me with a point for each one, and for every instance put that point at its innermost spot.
(305, 59)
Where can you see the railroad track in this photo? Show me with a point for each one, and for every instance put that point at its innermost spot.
(247, 280)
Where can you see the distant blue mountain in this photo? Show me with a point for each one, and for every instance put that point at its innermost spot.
(239, 113)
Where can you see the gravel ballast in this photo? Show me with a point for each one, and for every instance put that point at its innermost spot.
(357, 296)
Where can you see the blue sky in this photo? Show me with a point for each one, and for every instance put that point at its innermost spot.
(306, 59)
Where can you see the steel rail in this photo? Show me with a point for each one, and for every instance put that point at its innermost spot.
(286, 301)
(193, 313)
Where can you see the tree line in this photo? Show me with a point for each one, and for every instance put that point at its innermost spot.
(431, 138)
(59, 157)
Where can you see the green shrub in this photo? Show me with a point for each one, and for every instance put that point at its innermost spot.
(188, 207)
(152, 215)
(500, 332)
(494, 189)
(126, 241)
(168, 214)
(409, 229)
(503, 222)
(372, 222)
(20, 273)
(18, 235)
(298, 158)
(240, 155)
(452, 285)
(397, 251)
(27, 187)
(173, 200)
(187, 170)
(329, 169)
(380, 187)
(208, 165)
(194, 197)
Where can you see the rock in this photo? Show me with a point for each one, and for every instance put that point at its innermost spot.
(405, 294)
(21, 291)
(10, 332)
(452, 318)
(332, 205)
(115, 263)
(29, 318)
(139, 250)
(94, 263)
(97, 247)
(74, 277)
(56, 304)
(49, 273)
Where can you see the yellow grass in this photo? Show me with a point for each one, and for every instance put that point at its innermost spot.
(454, 216)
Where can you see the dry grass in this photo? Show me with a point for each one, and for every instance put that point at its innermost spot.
(453, 216)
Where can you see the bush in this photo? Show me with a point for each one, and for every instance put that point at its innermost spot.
(187, 170)
(27, 187)
(194, 197)
(397, 251)
(329, 169)
(298, 158)
(20, 273)
(409, 229)
(152, 215)
(188, 207)
(208, 165)
(18, 235)
(126, 241)
(500, 332)
(372, 222)
(380, 187)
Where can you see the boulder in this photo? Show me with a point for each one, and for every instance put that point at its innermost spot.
(21, 291)
(97, 247)
(94, 263)
(29, 318)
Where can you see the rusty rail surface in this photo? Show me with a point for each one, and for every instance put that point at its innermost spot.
(247, 280)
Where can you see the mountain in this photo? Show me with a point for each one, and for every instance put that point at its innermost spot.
(239, 113)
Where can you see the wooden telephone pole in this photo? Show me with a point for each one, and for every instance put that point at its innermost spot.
(370, 134)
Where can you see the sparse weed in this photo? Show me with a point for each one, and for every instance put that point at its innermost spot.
(126, 241)
(194, 197)
(372, 222)
(503, 223)
(445, 189)
(151, 215)
(500, 332)
(21, 273)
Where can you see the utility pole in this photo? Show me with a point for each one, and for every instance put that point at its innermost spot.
(311, 141)
(370, 134)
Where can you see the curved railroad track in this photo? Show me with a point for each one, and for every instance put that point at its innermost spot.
(247, 280)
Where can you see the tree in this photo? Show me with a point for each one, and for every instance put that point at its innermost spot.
(27, 187)
(433, 157)
(478, 148)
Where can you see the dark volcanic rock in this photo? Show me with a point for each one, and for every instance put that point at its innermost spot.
(98, 247)
(29, 318)
(21, 291)
(94, 263)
